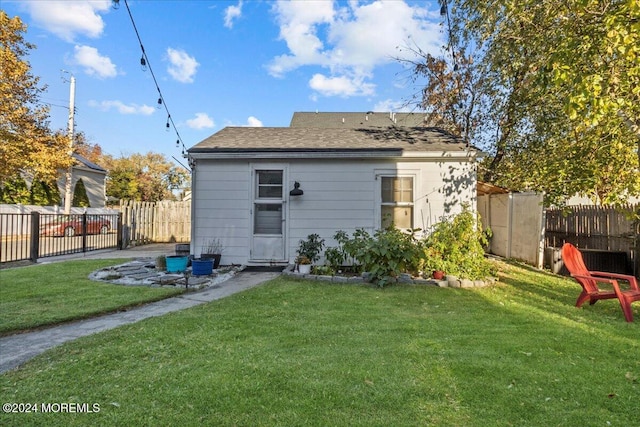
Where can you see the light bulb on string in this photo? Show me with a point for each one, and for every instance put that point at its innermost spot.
(159, 102)
(443, 9)
(115, 4)
(143, 63)
(177, 143)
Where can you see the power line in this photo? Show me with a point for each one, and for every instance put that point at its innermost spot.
(146, 64)
(54, 105)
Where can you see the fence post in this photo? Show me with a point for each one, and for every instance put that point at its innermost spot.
(85, 231)
(119, 237)
(34, 237)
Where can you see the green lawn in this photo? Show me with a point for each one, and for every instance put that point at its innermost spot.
(292, 353)
(51, 293)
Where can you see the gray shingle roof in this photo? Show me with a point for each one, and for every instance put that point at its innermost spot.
(357, 119)
(301, 139)
(85, 162)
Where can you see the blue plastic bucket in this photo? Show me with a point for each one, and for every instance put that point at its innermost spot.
(201, 267)
(176, 263)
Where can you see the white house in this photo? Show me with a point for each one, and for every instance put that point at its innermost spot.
(262, 190)
(94, 178)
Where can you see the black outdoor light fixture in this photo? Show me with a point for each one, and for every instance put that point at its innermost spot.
(296, 190)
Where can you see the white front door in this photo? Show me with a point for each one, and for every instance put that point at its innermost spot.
(268, 215)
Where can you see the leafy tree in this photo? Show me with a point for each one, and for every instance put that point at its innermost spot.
(453, 93)
(15, 191)
(27, 144)
(564, 83)
(148, 177)
(88, 150)
(80, 197)
(44, 193)
(483, 106)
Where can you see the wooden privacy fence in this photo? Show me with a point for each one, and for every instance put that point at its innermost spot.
(164, 221)
(597, 228)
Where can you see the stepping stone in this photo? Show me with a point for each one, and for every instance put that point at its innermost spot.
(141, 276)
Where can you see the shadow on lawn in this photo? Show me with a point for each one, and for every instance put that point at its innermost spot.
(548, 296)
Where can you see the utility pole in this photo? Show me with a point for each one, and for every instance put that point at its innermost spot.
(69, 176)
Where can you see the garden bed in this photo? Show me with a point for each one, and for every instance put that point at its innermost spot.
(404, 278)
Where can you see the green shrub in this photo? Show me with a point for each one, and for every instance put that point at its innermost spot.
(80, 197)
(389, 253)
(323, 270)
(355, 247)
(311, 247)
(385, 255)
(459, 245)
(456, 246)
(334, 257)
(15, 191)
(44, 193)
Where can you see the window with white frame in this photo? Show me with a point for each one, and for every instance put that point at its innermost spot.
(397, 201)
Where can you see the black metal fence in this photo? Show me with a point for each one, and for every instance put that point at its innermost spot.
(34, 235)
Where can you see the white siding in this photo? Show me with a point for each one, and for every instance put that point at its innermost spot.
(338, 195)
(94, 184)
(221, 208)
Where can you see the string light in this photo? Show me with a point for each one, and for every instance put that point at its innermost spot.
(146, 65)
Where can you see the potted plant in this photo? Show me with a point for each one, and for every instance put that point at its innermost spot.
(309, 250)
(212, 249)
(434, 264)
(303, 264)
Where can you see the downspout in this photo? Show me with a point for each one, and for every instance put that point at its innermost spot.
(192, 238)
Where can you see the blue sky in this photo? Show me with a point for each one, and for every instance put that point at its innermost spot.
(219, 63)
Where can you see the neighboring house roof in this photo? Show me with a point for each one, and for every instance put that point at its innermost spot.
(390, 141)
(86, 163)
(357, 120)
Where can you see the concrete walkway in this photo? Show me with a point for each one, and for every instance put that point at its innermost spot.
(19, 348)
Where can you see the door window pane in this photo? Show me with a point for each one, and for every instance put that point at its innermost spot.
(269, 184)
(267, 219)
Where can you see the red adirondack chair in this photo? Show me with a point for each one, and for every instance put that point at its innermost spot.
(589, 281)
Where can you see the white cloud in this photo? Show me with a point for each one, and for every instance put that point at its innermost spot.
(123, 108)
(299, 24)
(350, 40)
(94, 64)
(66, 19)
(253, 122)
(371, 34)
(182, 66)
(201, 121)
(340, 86)
(393, 105)
(231, 13)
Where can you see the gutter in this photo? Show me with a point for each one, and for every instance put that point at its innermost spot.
(323, 154)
